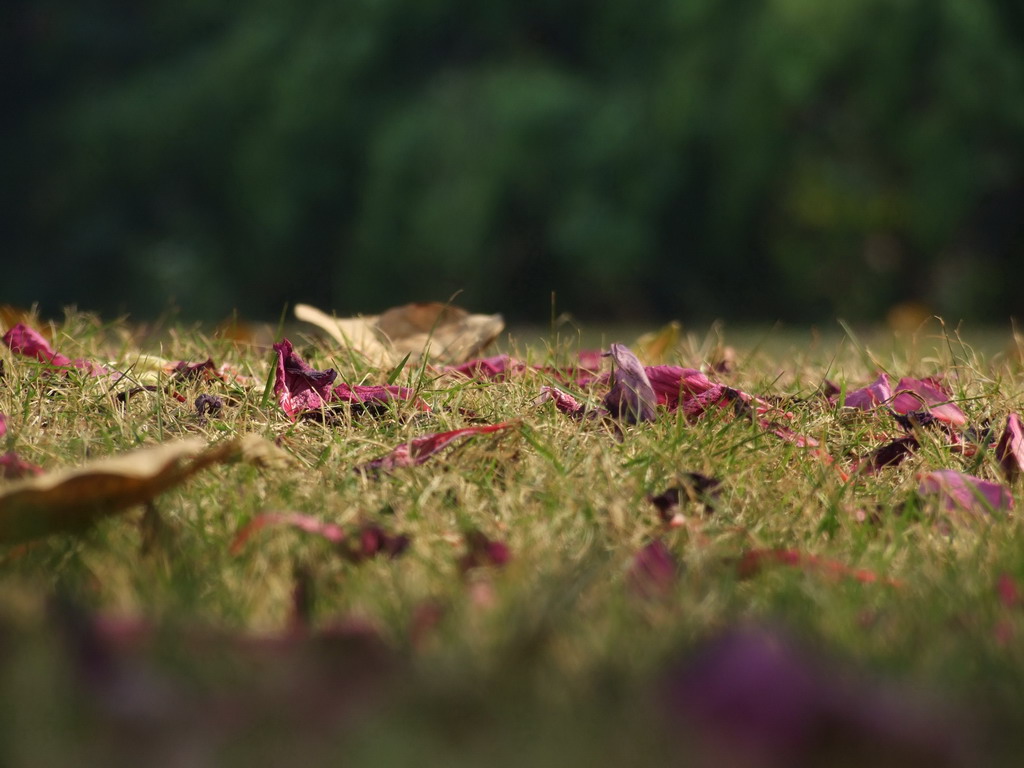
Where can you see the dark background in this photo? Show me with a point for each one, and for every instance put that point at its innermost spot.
(792, 159)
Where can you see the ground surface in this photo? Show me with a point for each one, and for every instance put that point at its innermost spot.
(811, 608)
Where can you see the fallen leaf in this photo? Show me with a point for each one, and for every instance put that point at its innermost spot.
(421, 448)
(631, 397)
(1010, 450)
(439, 332)
(653, 347)
(957, 492)
(72, 499)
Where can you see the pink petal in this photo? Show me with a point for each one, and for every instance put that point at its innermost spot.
(1010, 450)
(419, 449)
(298, 386)
(306, 523)
(957, 491)
(3, 424)
(563, 401)
(378, 394)
(866, 398)
(671, 383)
(753, 560)
(925, 394)
(631, 397)
(27, 341)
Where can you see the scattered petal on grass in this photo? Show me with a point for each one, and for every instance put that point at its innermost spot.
(301, 389)
(13, 467)
(563, 401)
(694, 488)
(3, 424)
(631, 397)
(889, 455)
(672, 384)
(1010, 450)
(926, 394)
(874, 394)
(754, 696)
(421, 448)
(956, 491)
(330, 531)
(71, 500)
(298, 386)
(653, 572)
(27, 341)
(754, 560)
(482, 551)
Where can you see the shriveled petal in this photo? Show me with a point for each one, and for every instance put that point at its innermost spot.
(421, 448)
(631, 397)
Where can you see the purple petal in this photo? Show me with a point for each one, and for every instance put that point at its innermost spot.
(631, 397)
(298, 386)
(959, 492)
(1010, 450)
(926, 394)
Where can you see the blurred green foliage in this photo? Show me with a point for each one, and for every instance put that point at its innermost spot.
(783, 158)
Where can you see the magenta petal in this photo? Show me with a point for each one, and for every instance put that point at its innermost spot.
(419, 449)
(671, 383)
(563, 401)
(631, 397)
(1010, 450)
(653, 571)
(925, 394)
(866, 398)
(27, 341)
(12, 466)
(3, 424)
(298, 386)
(959, 492)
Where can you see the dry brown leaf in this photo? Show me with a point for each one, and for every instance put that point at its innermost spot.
(654, 347)
(72, 499)
(441, 332)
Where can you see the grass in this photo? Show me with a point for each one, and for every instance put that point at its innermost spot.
(552, 659)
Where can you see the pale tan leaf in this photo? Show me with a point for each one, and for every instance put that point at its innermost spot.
(440, 332)
(72, 499)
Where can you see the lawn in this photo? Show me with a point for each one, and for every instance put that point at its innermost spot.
(770, 568)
